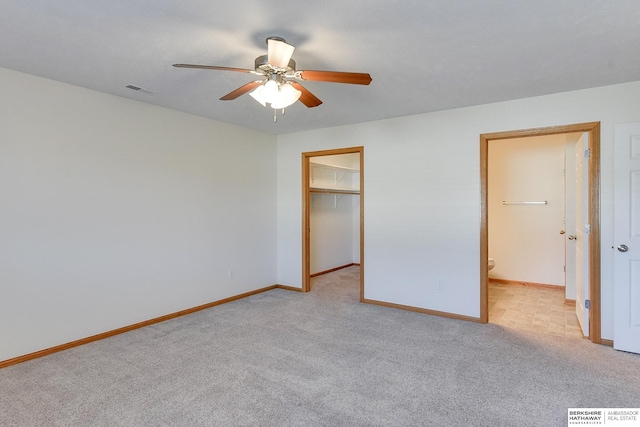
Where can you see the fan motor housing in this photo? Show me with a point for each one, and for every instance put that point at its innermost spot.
(262, 65)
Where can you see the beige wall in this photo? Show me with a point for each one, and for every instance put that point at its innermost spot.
(114, 212)
(422, 194)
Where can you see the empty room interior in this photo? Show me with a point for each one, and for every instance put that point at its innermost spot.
(448, 193)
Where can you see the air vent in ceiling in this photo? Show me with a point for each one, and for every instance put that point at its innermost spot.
(141, 89)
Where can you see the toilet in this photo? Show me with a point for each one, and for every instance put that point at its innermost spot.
(491, 264)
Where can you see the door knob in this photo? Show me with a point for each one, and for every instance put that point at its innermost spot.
(572, 237)
(623, 248)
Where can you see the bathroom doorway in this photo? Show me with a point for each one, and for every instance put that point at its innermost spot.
(592, 132)
(333, 212)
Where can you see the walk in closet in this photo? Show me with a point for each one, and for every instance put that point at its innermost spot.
(334, 212)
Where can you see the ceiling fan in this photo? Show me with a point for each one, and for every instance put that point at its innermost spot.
(278, 84)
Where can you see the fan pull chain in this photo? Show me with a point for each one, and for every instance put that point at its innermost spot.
(275, 115)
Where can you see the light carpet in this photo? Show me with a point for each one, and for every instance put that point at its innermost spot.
(284, 358)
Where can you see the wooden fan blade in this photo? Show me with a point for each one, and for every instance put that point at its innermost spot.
(213, 67)
(241, 90)
(307, 98)
(336, 77)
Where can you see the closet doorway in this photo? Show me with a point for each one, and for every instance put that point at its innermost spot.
(333, 212)
(593, 213)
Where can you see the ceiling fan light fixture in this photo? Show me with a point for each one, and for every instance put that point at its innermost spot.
(258, 95)
(287, 95)
(279, 95)
(270, 91)
(279, 52)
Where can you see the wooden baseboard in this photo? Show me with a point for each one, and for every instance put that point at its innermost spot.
(606, 342)
(521, 283)
(568, 301)
(320, 273)
(422, 310)
(103, 335)
(288, 288)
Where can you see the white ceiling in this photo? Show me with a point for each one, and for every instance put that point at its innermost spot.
(423, 55)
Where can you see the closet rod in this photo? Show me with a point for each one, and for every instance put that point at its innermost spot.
(544, 202)
(332, 191)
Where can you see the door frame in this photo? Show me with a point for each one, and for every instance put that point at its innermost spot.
(306, 212)
(593, 128)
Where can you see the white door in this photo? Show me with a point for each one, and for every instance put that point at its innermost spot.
(580, 239)
(569, 220)
(626, 212)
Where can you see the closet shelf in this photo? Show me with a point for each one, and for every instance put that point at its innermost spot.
(332, 191)
(332, 167)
